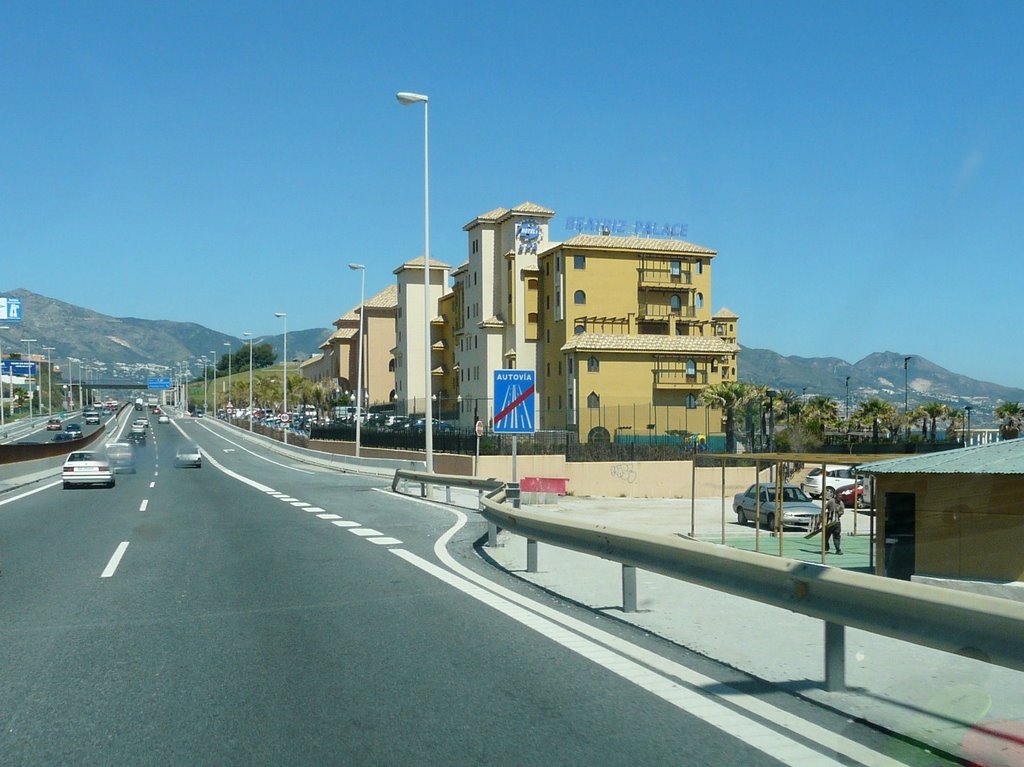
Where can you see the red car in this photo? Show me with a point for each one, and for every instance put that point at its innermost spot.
(54, 424)
(846, 494)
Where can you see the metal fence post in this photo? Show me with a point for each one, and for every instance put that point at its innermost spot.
(628, 589)
(835, 657)
(531, 556)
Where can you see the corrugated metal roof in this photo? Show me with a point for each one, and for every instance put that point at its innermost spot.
(998, 458)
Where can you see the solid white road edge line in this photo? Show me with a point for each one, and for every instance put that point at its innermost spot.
(27, 493)
(796, 724)
(115, 560)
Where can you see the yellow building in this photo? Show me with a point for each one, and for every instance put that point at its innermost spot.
(627, 340)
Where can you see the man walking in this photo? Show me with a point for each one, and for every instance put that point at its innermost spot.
(834, 528)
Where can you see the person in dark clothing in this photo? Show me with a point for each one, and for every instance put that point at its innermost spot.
(834, 530)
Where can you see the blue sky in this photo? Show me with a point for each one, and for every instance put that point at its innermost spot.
(857, 166)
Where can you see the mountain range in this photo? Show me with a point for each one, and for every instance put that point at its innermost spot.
(131, 347)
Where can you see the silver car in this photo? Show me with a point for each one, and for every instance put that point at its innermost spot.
(87, 467)
(189, 455)
(797, 509)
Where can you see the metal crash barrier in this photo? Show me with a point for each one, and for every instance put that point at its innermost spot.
(975, 626)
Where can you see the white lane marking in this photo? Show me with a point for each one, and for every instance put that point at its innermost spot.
(286, 498)
(329, 516)
(384, 541)
(152, 484)
(345, 523)
(246, 450)
(115, 560)
(27, 493)
(365, 531)
(826, 738)
(300, 504)
(144, 504)
(315, 509)
(697, 704)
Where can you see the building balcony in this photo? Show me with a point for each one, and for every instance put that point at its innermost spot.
(670, 378)
(663, 278)
(647, 312)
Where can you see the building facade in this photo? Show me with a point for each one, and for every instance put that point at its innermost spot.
(411, 394)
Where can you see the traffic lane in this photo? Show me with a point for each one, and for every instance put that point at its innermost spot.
(264, 639)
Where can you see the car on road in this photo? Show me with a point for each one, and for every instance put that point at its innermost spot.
(87, 467)
(163, 418)
(121, 456)
(62, 436)
(199, 412)
(140, 422)
(189, 455)
(798, 510)
(137, 437)
(54, 424)
(91, 417)
(73, 430)
(835, 477)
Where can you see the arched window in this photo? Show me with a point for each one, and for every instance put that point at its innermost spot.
(691, 368)
(593, 400)
(699, 300)
(676, 303)
(531, 283)
(391, 365)
(593, 365)
(578, 330)
(579, 297)
(599, 434)
(391, 397)
(691, 402)
(531, 317)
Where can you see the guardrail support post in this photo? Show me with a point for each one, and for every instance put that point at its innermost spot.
(531, 556)
(423, 489)
(448, 494)
(628, 589)
(492, 535)
(835, 657)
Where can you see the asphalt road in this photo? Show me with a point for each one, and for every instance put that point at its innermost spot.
(259, 611)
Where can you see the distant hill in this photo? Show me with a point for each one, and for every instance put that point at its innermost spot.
(117, 345)
(878, 375)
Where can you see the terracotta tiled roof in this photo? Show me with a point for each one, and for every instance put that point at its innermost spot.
(640, 244)
(417, 263)
(725, 314)
(498, 215)
(649, 343)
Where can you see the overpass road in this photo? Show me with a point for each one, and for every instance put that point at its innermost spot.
(261, 611)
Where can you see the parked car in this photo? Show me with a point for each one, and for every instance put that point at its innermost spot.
(797, 509)
(863, 493)
(189, 455)
(121, 456)
(73, 430)
(54, 424)
(835, 476)
(87, 467)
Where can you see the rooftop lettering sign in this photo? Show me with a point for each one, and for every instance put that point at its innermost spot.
(619, 227)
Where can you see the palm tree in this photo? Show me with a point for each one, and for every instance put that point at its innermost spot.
(1011, 416)
(955, 420)
(875, 411)
(821, 413)
(934, 411)
(727, 395)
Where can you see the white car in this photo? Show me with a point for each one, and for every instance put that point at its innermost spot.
(835, 477)
(163, 419)
(189, 455)
(87, 467)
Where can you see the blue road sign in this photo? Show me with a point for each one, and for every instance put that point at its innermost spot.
(515, 401)
(158, 383)
(20, 368)
(10, 309)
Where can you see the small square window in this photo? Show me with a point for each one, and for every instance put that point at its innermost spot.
(579, 262)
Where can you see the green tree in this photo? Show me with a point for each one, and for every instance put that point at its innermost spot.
(934, 411)
(876, 412)
(262, 357)
(728, 395)
(1011, 416)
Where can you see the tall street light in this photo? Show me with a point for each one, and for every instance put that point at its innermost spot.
(284, 316)
(406, 98)
(3, 425)
(213, 379)
(227, 398)
(49, 381)
(847, 406)
(967, 433)
(359, 367)
(206, 387)
(29, 342)
(249, 336)
(906, 395)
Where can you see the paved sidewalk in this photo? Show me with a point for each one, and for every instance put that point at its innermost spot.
(933, 697)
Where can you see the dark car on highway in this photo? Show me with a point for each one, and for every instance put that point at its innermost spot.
(73, 430)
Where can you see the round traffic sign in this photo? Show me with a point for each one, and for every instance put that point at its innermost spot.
(479, 428)
(285, 417)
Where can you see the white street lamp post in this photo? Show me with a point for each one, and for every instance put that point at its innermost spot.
(284, 316)
(406, 98)
(49, 381)
(227, 390)
(29, 341)
(206, 387)
(3, 425)
(213, 379)
(249, 336)
(359, 367)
